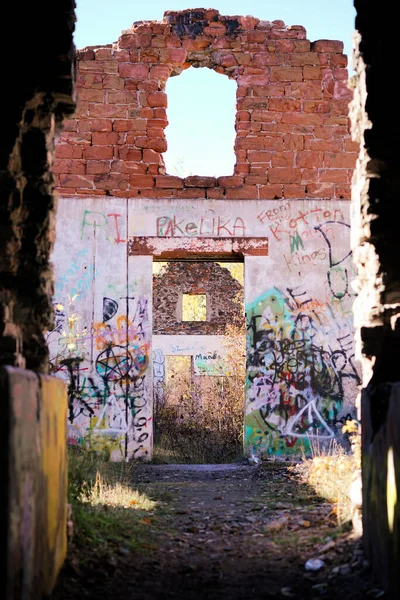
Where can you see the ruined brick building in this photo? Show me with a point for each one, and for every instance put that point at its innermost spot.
(284, 211)
(293, 180)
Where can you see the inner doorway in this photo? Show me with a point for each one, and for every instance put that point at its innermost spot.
(199, 347)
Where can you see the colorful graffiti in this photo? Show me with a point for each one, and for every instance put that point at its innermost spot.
(106, 365)
(94, 220)
(209, 363)
(299, 370)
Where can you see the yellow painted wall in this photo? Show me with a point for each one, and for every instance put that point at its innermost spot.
(53, 426)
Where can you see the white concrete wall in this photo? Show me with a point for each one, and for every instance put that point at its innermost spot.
(208, 351)
(302, 378)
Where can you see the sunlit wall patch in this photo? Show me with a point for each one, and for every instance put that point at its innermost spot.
(391, 489)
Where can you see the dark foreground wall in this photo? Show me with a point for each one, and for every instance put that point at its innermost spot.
(376, 192)
(34, 464)
(38, 74)
(38, 81)
(381, 442)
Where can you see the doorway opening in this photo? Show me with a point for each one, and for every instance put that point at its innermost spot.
(199, 348)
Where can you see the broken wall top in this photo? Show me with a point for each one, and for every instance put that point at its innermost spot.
(292, 125)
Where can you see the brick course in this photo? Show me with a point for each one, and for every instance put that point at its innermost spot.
(292, 126)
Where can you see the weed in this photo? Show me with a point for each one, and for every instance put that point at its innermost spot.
(201, 420)
(107, 511)
(330, 471)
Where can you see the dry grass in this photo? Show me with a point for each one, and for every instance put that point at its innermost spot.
(94, 480)
(330, 472)
(117, 494)
(202, 428)
(202, 421)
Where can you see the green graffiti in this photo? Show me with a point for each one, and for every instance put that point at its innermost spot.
(295, 242)
(95, 220)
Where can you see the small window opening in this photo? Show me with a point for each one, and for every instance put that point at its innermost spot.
(201, 132)
(194, 307)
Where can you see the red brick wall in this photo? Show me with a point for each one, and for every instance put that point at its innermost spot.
(292, 126)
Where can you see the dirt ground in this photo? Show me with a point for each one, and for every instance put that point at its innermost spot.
(236, 532)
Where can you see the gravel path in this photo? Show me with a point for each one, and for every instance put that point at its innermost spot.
(232, 532)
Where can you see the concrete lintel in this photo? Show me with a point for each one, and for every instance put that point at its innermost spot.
(197, 247)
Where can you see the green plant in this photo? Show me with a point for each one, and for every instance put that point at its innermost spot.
(107, 511)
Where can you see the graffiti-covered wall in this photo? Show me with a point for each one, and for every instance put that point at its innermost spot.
(101, 341)
(301, 375)
(283, 209)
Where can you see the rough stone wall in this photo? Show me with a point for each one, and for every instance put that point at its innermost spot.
(292, 128)
(195, 278)
(376, 189)
(40, 86)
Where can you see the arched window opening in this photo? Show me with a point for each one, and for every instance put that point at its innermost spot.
(201, 131)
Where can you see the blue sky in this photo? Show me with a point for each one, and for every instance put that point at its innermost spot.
(199, 91)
